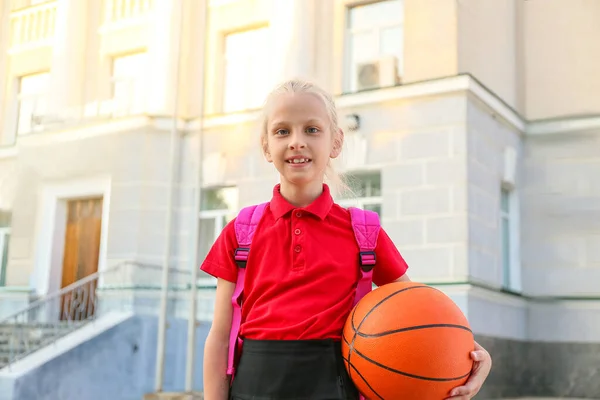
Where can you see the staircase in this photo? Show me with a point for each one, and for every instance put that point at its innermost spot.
(47, 319)
(53, 316)
(19, 340)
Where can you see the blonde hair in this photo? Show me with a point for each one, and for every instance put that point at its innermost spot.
(292, 86)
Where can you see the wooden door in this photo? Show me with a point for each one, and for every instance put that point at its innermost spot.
(81, 253)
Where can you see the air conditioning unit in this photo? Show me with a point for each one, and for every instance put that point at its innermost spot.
(379, 73)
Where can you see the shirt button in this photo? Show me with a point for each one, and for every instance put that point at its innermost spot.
(297, 249)
(298, 214)
(297, 231)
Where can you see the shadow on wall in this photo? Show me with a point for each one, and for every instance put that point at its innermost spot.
(118, 364)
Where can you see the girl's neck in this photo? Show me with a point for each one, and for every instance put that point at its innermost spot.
(300, 196)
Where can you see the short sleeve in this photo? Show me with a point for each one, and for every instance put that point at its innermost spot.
(219, 261)
(390, 264)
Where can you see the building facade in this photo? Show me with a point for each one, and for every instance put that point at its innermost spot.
(471, 126)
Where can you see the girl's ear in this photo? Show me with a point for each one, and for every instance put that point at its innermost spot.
(265, 149)
(338, 143)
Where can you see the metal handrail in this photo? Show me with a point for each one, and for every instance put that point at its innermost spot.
(56, 314)
(82, 282)
(36, 303)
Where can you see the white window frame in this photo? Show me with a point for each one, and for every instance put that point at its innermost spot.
(4, 238)
(350, 84)
(133, 83)
(511, 268)
(219, 216)
(37, 97)
(362, 202)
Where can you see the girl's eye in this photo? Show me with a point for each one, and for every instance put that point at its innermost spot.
(281, 132)
(312, 130)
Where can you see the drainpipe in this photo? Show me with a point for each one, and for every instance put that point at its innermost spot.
(173, 147)
(191, 334)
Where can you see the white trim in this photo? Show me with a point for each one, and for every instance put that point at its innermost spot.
(30, 46)
(492, 101)
(166, 124)
(436, 87)
(220, 3)
(562, 125)
(50, 231)
(8, 152)
(414, 90)
(419, 89)
(127, 23)
(230, 119)
(67, 134)
(515, 241)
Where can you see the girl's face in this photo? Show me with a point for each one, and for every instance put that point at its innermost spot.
(299, 140)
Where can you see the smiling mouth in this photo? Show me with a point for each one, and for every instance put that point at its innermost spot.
(297, 161)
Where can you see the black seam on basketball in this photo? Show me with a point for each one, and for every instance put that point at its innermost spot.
(363, 378)
(356, 329)
(351, 345)
(345, 340)
(425, 378)
(386, 299)
(412, 328)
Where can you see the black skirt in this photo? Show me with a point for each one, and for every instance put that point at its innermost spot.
(296, 369)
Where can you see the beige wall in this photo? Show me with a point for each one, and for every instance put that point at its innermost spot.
(487, 45)
(192, 62)
(430, 44)
(562, 50)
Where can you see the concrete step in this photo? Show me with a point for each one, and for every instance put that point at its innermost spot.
(36, 335)
(174, 396)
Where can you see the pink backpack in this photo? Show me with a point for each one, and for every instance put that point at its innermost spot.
(366, 227)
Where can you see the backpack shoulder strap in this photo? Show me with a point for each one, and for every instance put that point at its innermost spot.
(245, 226)
(366, 227)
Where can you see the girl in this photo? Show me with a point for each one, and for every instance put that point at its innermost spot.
(302, 273)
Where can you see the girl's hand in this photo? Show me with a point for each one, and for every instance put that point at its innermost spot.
(480, 371)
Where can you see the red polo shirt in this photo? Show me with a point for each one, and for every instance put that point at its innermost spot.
(302, 270)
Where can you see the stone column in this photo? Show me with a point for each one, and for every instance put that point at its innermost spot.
(164, 30)
(293, 45)
(68, 56)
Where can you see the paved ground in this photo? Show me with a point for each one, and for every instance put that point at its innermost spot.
(198, 396)
(174, 396)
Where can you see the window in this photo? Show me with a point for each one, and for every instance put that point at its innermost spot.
(374, 32)
(31, 100)
(246, 70)
(217, 207)
(508, 232)
(366, 188)
(128, 84)
(4, 240)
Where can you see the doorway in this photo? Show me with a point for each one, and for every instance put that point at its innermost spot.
(80, 258)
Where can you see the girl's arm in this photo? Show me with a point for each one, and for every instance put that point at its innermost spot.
(403, 278)
(216, 381)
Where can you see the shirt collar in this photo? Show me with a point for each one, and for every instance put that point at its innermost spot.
(320, 207)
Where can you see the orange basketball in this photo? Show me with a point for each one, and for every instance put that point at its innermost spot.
(407, 340)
